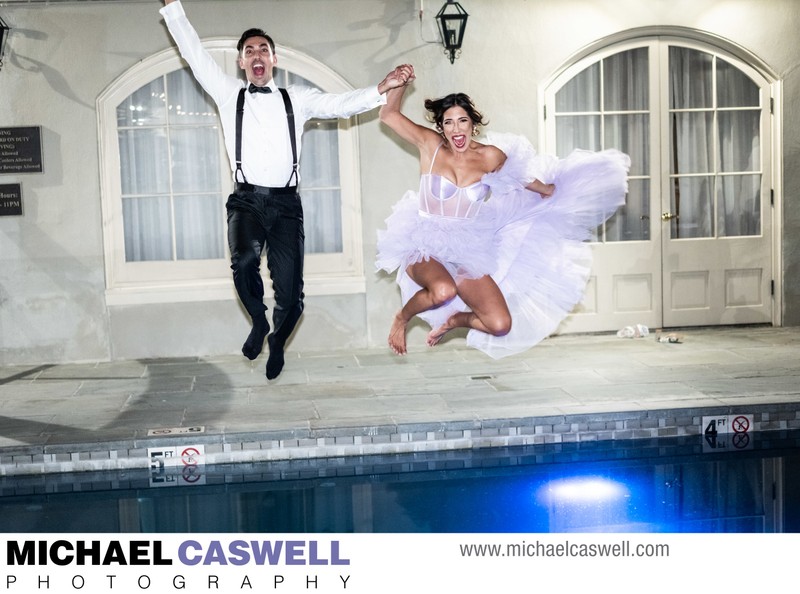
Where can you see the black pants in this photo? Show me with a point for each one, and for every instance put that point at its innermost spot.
(273, 219)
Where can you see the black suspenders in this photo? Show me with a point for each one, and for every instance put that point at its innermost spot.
(287, 103)
(239, 118)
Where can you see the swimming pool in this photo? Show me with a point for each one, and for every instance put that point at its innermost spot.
(671, 485)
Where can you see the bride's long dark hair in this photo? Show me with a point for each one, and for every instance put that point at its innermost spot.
(437, 107)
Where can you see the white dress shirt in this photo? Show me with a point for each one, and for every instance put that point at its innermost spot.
(266, 149)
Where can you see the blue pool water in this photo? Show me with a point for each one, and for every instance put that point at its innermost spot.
(670, 485)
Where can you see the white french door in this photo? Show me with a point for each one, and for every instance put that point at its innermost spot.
(693, 244)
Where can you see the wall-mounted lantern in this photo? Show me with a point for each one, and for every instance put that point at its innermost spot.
(452, 20)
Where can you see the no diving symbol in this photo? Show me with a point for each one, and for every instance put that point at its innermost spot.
(740, 440)
(740, 424)
(190, 456)
(191, 473)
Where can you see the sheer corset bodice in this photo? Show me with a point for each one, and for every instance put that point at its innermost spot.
(440, 197)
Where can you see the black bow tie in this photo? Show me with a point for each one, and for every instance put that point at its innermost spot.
(254, 89)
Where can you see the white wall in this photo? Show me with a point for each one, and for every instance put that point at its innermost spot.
(61, 56)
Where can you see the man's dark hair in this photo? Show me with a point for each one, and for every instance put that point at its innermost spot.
(254, 33)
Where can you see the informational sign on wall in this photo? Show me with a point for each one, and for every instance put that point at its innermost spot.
(21, 150)
(727, 432)
(177, 465)
(10, 200)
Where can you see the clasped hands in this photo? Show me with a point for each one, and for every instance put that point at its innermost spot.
(399, 77)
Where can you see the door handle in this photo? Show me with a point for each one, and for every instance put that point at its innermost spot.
(666, 216)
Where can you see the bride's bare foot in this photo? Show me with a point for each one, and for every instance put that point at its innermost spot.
(434, 336)
(397, 336)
